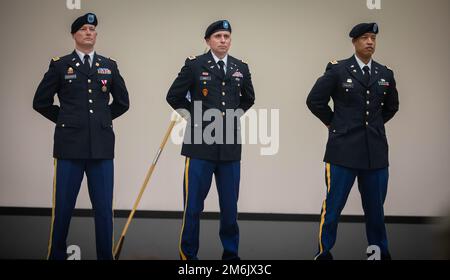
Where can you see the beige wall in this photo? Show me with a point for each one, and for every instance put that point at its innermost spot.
(287, 44)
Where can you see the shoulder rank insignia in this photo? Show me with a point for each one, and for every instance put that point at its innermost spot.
(243, 61)
(389, 68)
(112, 59)
(334, 62)
(56, 58)
(192, 57)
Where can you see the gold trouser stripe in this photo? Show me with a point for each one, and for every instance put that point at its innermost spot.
(186, 186)
(55, 164)
(324, 206)
(328, 177)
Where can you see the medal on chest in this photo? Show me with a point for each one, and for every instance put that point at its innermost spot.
(104, 87)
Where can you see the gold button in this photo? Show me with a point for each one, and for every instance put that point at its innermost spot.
(91, 111)
(367, 123)
(368, 102)
(204, 82)
(63, 125)
(223, 113)
(90, 101)
(367, 113)
(90, 90)
(382, 104)
(89, 80)
(223, 103)
(223, 83)
(346, 90)
(384, 93)
(368, 92)
(223, 93)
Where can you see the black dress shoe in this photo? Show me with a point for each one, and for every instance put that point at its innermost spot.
(324, 257)
(386, 257)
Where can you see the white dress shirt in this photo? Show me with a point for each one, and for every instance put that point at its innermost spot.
(361, 64)
(82, 54)
(216, 59)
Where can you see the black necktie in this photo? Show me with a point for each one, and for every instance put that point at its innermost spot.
(366, 74)
(86, 63)
(222, 67)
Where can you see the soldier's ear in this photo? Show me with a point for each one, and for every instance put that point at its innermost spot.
(207, 42)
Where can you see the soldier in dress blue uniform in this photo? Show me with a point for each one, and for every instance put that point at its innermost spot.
(222, 84)
(84, 139)
(365, 97)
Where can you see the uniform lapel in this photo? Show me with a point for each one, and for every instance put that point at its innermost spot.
(375, 73)
(231, 69)
(352, 67)
(77, 64)
(210, 64)
(94, 65)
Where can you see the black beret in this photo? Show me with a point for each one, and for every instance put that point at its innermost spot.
(220, 25)
(88, 18)
(363, 28)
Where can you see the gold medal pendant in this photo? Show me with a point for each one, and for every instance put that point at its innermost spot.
(104, 88)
